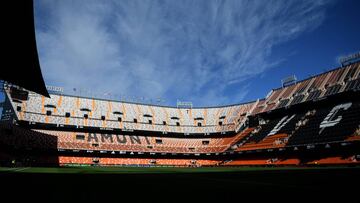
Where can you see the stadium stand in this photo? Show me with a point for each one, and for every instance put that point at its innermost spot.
(323, 126)
(71, 160)
(76, 111)
(133, 143)
(337, 160)
(318, 113)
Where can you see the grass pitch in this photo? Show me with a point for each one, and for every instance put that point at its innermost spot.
(168, 184)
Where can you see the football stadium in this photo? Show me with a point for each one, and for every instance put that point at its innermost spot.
(304, 126)
(313, 122)
(302, 140)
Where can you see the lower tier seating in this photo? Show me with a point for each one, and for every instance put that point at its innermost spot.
(334, 160)
(69, 160)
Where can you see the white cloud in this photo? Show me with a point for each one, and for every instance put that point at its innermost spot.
(193, 50)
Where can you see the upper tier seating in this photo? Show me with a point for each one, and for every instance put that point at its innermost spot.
(326, 84)
(70, 110)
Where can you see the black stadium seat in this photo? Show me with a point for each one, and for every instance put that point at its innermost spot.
(312, 132)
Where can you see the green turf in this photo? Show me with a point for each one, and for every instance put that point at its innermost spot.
(142, 170)
(169, 184)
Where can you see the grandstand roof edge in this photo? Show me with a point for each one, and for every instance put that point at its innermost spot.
(127, 102)
(203, 107)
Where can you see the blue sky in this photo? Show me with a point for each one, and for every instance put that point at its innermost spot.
(205, 51)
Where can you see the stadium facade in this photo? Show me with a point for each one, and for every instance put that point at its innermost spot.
(313, 121)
